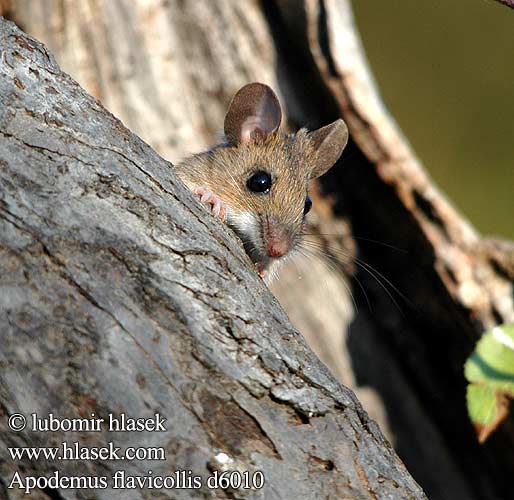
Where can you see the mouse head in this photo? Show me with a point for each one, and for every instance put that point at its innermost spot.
(266, 173)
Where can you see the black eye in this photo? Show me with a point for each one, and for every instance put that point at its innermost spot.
(260, 182)
(308, 205)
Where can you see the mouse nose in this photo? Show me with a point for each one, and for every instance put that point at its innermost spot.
(277, 247)
(277, 237)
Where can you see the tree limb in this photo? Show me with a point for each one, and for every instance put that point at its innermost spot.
(508, 3)
(121, 294)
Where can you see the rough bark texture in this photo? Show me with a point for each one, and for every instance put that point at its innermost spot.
(168, 69)
(121, 294)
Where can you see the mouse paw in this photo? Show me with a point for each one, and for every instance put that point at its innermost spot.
(261, 270)
(218, 208)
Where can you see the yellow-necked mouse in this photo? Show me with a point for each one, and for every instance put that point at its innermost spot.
(257, 179)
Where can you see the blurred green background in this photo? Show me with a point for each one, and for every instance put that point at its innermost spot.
(445, 69)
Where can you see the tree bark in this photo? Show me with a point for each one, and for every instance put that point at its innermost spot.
(168, 69)
(121, 294)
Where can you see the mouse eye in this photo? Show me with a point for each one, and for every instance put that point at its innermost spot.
(308, 205)
(260, 182)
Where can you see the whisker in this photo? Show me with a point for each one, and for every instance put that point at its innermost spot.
(373, 272)
(331, 267)
(381, 243)
(370, 240)
(333, 262)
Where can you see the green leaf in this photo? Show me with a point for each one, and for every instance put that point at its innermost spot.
(490, 371)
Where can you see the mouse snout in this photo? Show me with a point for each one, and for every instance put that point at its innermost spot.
(277, 240)
(277, 247)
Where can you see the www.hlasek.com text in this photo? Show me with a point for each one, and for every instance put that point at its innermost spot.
(75, 451)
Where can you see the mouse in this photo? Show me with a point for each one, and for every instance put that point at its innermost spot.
(256, 179)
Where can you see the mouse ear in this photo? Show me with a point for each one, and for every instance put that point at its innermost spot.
(253, 114)
(329, 141)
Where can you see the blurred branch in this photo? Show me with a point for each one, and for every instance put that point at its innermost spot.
(508, 3)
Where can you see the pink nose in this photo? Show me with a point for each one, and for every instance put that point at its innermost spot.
(277, 248)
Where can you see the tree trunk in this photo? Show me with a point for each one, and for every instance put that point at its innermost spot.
(120, 294)
(168, 69)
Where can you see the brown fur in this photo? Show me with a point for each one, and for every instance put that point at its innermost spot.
(225, 170)
(269, 224)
